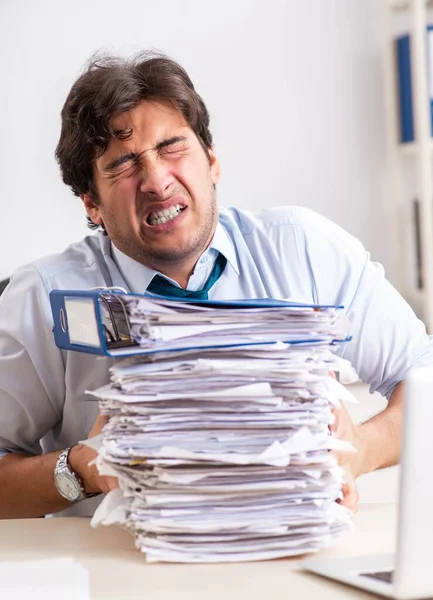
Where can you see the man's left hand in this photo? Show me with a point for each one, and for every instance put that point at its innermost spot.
(351, 462)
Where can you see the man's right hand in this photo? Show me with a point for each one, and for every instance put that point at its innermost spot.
(27, 482)
(79, 458)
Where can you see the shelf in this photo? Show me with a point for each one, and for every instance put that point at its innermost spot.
(411, 148)
(418, 172)
(408, 148)
(399, 4)
(405, 4)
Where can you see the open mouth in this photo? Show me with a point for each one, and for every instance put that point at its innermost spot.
(163, 216)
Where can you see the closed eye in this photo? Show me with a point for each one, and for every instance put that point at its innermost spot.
(118, 163)
(127, 170)
(175, 148)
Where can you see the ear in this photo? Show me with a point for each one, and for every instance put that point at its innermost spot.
(215, 168)
(92, 209)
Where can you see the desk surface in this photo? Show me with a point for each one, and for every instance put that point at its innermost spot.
(118, 571)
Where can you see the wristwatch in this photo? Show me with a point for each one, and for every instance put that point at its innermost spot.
(67, 483)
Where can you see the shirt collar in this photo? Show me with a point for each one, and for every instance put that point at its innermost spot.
(222, 242)
(138, 276)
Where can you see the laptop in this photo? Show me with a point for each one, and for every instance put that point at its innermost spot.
(407, 575)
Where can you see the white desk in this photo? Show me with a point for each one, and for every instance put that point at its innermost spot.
(118, 571)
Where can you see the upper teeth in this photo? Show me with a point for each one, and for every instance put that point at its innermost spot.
(162, 216)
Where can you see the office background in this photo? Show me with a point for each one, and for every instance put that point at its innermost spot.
(294, 90)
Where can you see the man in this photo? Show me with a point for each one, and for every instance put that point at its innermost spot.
(135, 146)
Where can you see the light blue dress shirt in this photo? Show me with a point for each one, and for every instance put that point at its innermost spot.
(287, 252)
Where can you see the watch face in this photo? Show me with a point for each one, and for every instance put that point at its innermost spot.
(67, 486)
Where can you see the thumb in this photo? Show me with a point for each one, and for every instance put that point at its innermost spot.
(350, 495)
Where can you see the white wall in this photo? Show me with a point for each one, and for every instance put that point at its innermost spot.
(294, 89)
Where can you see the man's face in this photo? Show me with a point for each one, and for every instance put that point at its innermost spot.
(156, 189)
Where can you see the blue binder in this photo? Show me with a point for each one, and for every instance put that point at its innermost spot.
(407, 130)
(96, 321)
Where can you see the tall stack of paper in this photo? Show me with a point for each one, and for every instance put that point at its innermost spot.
(219, 432)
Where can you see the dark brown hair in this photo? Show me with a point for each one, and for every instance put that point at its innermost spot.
(113, 85)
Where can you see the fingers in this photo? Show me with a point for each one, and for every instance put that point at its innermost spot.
(350, 492)
(337, 427)
(105, 483)
(349, 489)
(343, 425)
(344, 429)
(81, 461)
(350, 496)
(333, 426)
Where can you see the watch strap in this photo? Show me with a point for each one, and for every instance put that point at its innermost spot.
(62, 466)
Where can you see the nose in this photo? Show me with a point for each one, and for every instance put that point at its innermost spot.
(156, 179)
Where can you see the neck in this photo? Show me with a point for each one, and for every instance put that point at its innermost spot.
(178, 272)
(181, 270)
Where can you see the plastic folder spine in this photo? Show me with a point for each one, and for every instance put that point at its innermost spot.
(407, 132)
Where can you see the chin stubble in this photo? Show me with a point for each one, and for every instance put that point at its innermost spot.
(195, 245)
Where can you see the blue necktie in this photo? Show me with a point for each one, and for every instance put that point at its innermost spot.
(161, 287)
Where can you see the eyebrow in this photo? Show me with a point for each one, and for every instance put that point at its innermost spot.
(120, 160)
(123, 158)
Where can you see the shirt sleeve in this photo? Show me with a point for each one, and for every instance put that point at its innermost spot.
(32, 385)
(388, 340)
